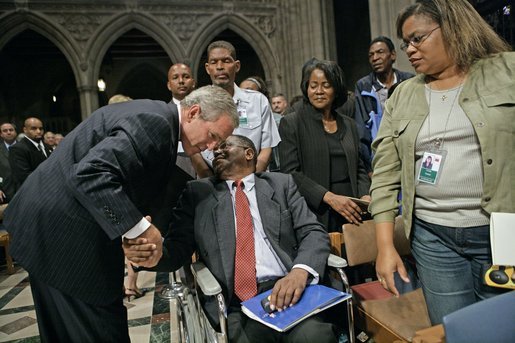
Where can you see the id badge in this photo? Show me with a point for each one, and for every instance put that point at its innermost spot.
(244, 120)
(431, 166)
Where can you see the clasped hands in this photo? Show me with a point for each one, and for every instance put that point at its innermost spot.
(145, 250)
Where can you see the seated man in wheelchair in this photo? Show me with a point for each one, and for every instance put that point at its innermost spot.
(276, 244)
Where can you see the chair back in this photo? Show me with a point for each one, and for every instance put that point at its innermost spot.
(360, 241)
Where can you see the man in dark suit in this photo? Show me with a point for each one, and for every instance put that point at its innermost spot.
(7, 186)
(291, 247)
(67, 220)
(30, 151)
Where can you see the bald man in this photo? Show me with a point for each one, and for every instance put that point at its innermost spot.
(180, 81)
(28, 153)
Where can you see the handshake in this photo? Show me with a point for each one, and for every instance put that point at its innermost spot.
(145, 250)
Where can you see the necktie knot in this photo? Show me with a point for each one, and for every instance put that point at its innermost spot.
(41, 148)
(239, 184)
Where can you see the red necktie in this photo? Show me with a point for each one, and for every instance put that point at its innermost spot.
(245, 286)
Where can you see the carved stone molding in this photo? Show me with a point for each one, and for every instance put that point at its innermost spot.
(266, 23)
(184, 25)
(80, 26)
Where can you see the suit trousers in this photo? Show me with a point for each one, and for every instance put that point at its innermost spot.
(243, 329)
(62, 318)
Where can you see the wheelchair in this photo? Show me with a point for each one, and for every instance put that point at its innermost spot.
(193, 322)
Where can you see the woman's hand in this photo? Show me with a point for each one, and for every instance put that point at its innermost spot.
(388, 262)
(344, 206)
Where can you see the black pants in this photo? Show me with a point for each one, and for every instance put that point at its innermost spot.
(62, 318)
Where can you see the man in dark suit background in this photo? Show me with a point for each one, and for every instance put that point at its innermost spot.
(7, 186)
(291, 247)
(29, 152)
(67, 220)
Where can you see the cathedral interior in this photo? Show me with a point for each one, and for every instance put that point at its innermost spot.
(61, 60)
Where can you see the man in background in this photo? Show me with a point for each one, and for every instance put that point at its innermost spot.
(256, 120)
(371, 92)
(29, 152)
(49, 139)
(7, 185)
(279, 106)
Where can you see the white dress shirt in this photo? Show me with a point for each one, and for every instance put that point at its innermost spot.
(268, 264)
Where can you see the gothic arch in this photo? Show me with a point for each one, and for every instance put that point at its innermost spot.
(243, 27)
(15, 23)
(107, 34)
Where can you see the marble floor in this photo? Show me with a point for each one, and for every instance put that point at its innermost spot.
(149, 316)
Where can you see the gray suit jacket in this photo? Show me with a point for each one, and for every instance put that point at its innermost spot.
(67, 218)
(204, 221)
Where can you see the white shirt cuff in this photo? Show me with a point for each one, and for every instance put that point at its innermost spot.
(138, 229)
(310, 270)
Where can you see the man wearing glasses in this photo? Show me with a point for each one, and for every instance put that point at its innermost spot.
(372, 91)
(288, 247)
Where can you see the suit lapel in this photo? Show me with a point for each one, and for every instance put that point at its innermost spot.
(223, 218)
(269, 210)
(3, 150)
(350, 150)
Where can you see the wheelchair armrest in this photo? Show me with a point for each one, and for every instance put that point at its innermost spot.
(205, 280)
(336, 261)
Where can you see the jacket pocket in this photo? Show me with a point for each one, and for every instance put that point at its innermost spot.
(399, 126)
(501, 97)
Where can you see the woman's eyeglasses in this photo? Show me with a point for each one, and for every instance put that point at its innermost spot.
(416, 41)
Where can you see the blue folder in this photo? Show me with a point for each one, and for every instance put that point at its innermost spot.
(315, 299)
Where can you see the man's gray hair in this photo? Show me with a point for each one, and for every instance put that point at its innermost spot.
(214, 102)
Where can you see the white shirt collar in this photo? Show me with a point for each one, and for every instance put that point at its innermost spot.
(394, 80)
(249, 181)
(36, 144)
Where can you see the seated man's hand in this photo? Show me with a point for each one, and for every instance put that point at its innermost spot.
(146, 249)
(288, 290)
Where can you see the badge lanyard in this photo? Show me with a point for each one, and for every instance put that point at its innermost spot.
(434, 157)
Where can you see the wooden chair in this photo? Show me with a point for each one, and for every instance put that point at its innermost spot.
(378, 312)
(4, 242)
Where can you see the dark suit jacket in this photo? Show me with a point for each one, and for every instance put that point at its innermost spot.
(204, 221)
(67, 218)
(24, 158)
(304, 154)
(7, 186)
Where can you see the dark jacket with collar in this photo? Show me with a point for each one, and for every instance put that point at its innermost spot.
(24, 158)
(304, 154)
(367, 104)
(67, 219)
(7, 185)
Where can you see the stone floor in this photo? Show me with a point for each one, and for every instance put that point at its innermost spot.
(149, 316)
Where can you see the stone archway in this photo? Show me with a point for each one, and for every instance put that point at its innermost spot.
(38, 81)
(135, 65)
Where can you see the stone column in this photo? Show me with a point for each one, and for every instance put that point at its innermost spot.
(383, 14)
(88, 95)
(309, 31)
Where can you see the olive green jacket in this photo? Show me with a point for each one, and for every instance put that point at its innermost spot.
(488, 99)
